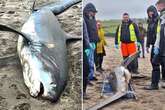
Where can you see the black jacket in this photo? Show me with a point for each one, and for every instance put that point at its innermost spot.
(85, 37)
(152, 26)
(162, 34)
(125, 33)
(90, 23)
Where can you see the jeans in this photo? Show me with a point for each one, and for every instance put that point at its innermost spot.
(157, 61)
(91, 64)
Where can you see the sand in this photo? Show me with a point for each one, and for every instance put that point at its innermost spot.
(147, 100)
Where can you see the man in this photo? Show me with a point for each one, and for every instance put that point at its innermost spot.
(159, 49)
(142, 35)
(89, 13)
(86, 52)
(126, 35)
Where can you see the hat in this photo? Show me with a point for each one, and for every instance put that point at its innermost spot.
(90, 7)
(125, 14)
(160, 1)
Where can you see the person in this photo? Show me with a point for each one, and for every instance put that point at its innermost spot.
(86, 52)
(89, 13)
(142, 34)
(153, 19)
(126, 35)
(158, 49)
(152, 28)
(100, 50)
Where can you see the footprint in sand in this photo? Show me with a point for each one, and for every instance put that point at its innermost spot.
(22, 106)
(14, 86)
(10, 12)
(3, 103)
(4, 76)
(1, 84)
(21, 96)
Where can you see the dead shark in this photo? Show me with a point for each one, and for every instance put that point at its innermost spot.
(42, 51)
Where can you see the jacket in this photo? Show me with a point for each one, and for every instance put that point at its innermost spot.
(160, 41)
(152, 26)
(125, 33)
(90, 23)
(85, 37)
(102, 42)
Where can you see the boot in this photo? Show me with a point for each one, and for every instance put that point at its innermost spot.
(102, 69)
(151, 87)
(163, 83)
(99, 70)
(135, 72)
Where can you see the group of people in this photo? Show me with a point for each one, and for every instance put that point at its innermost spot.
(129, 37)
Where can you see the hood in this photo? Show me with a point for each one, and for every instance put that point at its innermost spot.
(89, 7)
(129, 22)
(153, 9)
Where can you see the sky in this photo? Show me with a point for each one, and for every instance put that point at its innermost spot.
(113, 9)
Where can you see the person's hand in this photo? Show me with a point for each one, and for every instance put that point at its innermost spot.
(116, 46)
(147, 49)
(156, 50)
(87, 51)
(138, 44)
(92, 45)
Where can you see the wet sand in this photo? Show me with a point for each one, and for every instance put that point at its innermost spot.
(147, 100)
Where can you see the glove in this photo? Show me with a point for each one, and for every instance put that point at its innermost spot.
(116, 46)
(87, 51)
(92, 45)
(156, 50)
(138, 44)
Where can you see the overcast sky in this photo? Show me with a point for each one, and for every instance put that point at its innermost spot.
(113, 9)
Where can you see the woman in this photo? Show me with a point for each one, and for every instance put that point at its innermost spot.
(100, 50)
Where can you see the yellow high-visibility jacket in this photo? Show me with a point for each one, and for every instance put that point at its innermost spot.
(102, 41)
(133, 36)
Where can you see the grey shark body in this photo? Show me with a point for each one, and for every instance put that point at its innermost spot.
(42, 51)
(44, 63)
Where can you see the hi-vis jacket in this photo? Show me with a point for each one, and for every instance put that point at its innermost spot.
(102, 41)
(160, 39)
(157, 35)
(127, 33)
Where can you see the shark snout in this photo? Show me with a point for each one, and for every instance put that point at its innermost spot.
(51, 92)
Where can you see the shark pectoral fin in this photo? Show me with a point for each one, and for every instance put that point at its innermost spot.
(9, 29)
(57, 7)
(62, 6)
